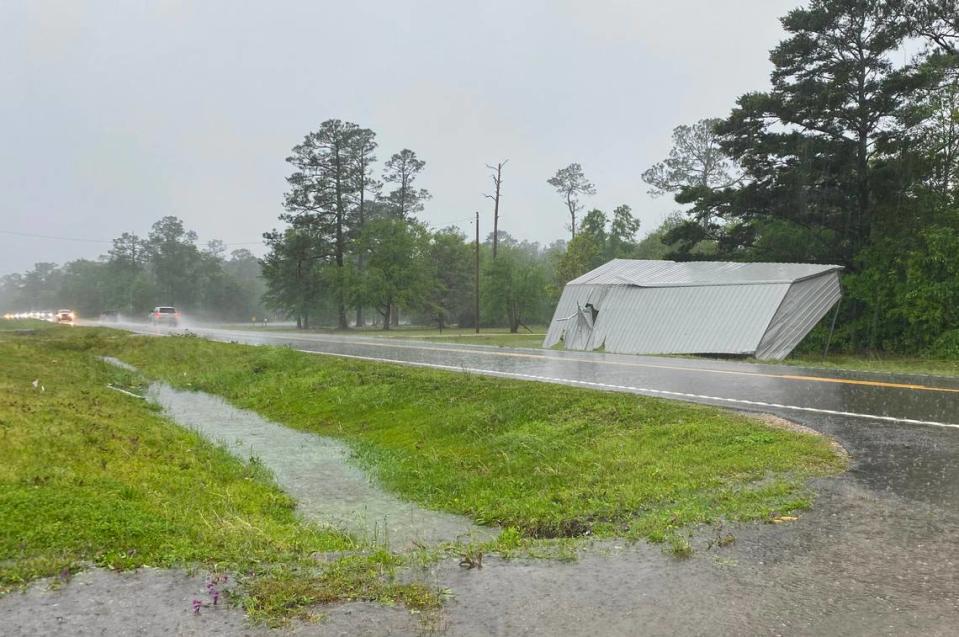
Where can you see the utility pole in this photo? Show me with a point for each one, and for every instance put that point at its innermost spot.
(476, 317)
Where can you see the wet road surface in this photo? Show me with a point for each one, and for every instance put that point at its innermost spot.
(895, 398)
(877, 555)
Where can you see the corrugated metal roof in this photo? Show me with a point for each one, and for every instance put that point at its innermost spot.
(672, 274)
(664, 307)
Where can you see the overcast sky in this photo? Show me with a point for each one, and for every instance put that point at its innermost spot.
(113, 114)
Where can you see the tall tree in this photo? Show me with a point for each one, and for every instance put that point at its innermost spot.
(292, 270)
(571, 184)
(397, 271)
(695, 159)
(450, 292)
(362, 154)
(515, 286)
(323, 185)
(807, 146)
(173, 258)
(622, 233)
(401, 170)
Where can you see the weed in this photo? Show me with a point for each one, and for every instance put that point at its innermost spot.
(472, 558)
(679, 546)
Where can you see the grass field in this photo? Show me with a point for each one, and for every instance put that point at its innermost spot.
(499, 337)
(496, 337)
(89, 475)
(546, 460)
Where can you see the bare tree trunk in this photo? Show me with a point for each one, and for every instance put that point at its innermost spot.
(387, 314)
(497, 182)
(572, 214)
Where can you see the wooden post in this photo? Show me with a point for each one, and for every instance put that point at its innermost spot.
(832, 328)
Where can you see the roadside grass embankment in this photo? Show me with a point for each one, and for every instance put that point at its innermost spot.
(882, 364)
(544, 461)
(497, 337)
(92, 476)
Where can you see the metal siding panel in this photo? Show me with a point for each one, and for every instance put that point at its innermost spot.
(660, 307)
(572, 298)
(806, 303)
(687, 320)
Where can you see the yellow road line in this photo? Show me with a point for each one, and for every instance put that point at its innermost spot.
(793, 377)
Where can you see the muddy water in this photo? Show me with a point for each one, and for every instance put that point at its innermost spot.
(316, 471)
(156, 602)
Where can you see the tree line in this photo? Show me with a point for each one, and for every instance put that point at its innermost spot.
(137, 274)
(353, 251)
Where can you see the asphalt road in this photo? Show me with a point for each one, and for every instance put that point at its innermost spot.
(877, 554)
(921, 400)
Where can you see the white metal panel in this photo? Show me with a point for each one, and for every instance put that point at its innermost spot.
(660, 307)
(803, 307)
(686, 320)
(572, 299)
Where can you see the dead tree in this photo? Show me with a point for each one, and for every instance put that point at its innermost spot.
(497, 183)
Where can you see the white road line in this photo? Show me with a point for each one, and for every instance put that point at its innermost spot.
(638, 390)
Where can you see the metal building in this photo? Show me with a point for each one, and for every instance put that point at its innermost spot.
(700, 307)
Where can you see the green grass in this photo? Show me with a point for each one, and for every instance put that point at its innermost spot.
(546, 460)
(89, 475)
(498, 338)
(26, 324)
(495, 336)
(887, 363)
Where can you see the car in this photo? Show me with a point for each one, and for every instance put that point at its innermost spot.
(165, 315)
(65, 316)
(109, 316)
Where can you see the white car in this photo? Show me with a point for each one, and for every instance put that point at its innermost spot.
(165, 315)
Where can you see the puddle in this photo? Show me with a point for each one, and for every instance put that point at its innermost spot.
(314, 470)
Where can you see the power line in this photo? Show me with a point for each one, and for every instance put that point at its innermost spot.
(32, 235)
(44, 236)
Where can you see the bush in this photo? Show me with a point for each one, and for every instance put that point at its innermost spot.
(946, 346)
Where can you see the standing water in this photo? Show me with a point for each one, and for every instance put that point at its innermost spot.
(315, 471)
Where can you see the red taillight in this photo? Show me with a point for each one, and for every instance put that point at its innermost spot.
(156, 314)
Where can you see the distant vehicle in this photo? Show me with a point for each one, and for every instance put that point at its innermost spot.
(65, 316)
(109, 316)
(165, 315)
